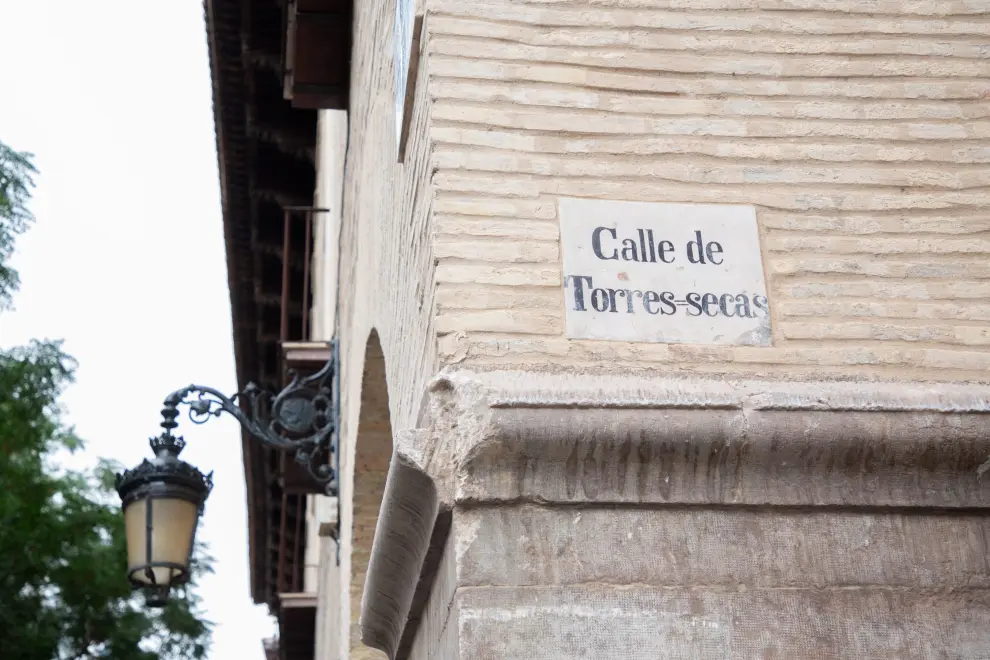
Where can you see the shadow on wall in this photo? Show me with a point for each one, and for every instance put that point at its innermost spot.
(372, 456)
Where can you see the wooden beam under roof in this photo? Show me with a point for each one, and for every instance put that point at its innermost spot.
(266, 151)
(317, 52)
(297, 625)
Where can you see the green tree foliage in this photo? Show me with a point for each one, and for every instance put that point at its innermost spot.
(16, 182)
(63, 590)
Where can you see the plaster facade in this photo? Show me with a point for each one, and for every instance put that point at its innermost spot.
(546, 497)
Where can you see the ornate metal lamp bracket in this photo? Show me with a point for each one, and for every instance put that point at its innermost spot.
(302, 418)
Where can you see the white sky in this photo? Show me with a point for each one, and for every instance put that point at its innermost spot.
(126, 259)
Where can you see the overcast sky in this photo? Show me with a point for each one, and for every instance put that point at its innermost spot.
(126, 260)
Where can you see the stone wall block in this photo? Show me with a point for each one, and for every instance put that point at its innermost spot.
(720, 548)
(640, 623)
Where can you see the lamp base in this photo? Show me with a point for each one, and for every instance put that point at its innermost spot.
(155, 595)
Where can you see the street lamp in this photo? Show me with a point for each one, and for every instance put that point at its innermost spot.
(163, 498)
(162, 501)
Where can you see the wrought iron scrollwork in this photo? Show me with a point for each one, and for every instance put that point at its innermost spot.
(302, 418)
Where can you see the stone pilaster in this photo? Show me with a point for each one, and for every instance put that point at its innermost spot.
(561, 516)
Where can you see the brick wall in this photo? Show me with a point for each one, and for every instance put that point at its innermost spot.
(386, 283)
(860, 130)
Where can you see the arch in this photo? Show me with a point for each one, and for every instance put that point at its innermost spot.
(372, 455)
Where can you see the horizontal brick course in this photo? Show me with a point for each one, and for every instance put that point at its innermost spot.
(861, 137)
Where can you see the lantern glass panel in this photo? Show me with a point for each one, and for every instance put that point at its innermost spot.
(173, 523)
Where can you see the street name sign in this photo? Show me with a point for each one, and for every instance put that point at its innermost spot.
(662, 272)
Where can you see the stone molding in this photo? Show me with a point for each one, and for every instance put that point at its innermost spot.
(402, 539)
(591, 439)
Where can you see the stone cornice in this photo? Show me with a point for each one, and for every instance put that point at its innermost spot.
(585, 439)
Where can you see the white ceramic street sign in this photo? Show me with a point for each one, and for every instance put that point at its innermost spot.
(658, 272)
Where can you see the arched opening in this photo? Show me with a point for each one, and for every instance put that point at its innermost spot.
(372, 455)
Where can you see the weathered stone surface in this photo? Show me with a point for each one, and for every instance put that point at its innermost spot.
(518, 436)
(728, 548)
(438, 629)
(639, 623)
(693, 582)
(731, 457)
(401, 543)
(684, 484)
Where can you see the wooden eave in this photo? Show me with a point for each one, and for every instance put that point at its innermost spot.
(266, 155)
